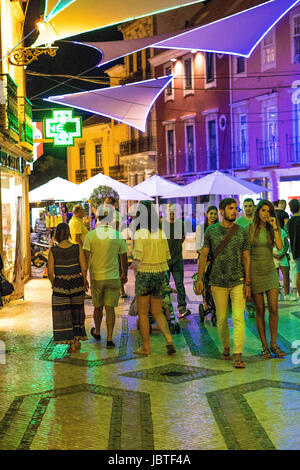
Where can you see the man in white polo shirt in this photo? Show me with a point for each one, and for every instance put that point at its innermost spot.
(102, 248)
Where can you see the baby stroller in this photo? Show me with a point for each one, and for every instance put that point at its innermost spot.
(167, 309)
(207, 297)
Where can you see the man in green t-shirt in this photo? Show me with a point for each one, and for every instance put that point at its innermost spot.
(248, 209)
(230, 276)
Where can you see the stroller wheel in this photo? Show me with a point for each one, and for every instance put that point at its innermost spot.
(177, 328)
(201, 313)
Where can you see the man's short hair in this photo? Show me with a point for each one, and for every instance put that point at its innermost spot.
(111, 200)
(77, 208)
(248, 199)
(226, 202)
(282, 201)
(294, 205)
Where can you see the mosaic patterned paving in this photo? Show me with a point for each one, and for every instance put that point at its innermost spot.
(174, 373)
(115, 400)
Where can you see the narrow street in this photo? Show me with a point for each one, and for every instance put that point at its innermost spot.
(110, 399)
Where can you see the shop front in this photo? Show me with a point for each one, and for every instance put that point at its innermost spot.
(14, 220)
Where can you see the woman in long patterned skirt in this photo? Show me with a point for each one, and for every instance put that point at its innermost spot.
(67, 273)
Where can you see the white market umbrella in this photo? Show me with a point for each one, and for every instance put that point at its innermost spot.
(217, 183)
(65, 18)
(157, 186)
(57, 189)
(125, 192)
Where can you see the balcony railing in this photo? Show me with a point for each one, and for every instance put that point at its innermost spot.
(267, 153)
(117, 172)
(80, 175)
(26, 129)
(131, 147)
(137, 76)
(293, 149)
(240, 158)
(95, 171)
(9, 116)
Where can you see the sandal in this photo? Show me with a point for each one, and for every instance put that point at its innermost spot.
(265, 354)
(238, 363)
(225, 356)
(277, 351)
(170, 349)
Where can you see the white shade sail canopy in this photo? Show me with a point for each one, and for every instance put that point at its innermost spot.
(57, 189)
(157, 186)
(237, 34)
(65, 18)
(129, 104)
(125, 192)
(217, 183)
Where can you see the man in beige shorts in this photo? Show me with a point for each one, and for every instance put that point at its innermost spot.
(102, 248)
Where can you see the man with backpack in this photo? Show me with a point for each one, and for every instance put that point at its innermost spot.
(230, 276)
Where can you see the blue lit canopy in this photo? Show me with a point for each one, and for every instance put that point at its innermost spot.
(237, 34)
(129, 104)
(65, 18)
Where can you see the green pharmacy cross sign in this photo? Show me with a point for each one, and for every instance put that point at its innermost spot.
(63, 128)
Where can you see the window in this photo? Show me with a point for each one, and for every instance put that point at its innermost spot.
(98, 155)
(169, 91)
(242, 156)
(188, 74)
(190, 148)
(82, 157)
(210, 67)
(131, 63)
(268, 151)
(212, 145)
(240, 65)
(148, 65)
(268, 51)
(170, 151)
(296, 39)
(139, 61)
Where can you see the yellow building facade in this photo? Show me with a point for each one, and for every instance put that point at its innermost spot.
(15, 150)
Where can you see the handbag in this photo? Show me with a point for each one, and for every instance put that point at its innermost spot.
(6, 287)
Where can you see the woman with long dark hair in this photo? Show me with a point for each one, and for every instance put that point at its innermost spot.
(67, 272)
(264, 234)
(151, 255)
(211, 218)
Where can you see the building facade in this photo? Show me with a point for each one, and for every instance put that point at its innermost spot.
(15, 151)
(229, 113)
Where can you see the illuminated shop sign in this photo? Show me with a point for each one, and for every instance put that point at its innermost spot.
(63, 128)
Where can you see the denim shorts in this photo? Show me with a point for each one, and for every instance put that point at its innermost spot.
(150, 284)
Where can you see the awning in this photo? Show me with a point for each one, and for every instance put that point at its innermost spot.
(129, 103)
(237, 34)
(65, 18)
(57, 189)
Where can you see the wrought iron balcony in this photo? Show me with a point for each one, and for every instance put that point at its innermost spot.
(117, 172)
(26, 129)
(293, 149)
(131, 147)
(267, 152)
(9, 116)
(95, 171)
(240, 159)
(80, 175)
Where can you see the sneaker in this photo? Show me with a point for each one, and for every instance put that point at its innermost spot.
(290, 297)
(184, 313)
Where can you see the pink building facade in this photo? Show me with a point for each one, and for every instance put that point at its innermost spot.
(234, 114)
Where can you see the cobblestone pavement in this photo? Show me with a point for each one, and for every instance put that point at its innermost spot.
(111, 399)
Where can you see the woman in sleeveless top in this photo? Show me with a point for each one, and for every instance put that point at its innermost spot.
(264, 234)
(67, 273)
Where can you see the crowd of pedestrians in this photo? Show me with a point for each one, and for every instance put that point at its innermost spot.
(242, 258)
